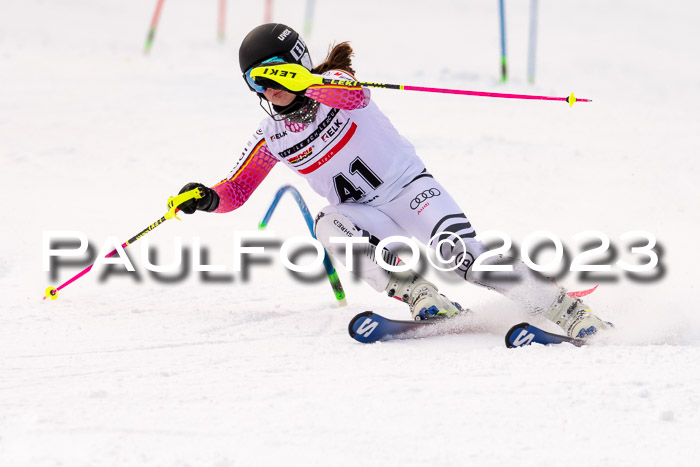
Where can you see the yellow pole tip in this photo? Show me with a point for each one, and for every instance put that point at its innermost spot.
(51, 293)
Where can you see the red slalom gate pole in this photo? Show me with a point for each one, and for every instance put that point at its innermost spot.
(152, 29)
(222, 20)
(267, 18)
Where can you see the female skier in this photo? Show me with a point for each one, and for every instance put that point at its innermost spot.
(336, 137)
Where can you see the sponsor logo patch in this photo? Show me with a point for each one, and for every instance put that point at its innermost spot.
(332, 130)
(298, 50)
(284, 34)
(278, 135)
(301, 156)
(313, 136)
(422, 197)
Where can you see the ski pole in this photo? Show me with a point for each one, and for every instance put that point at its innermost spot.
(330, 270)
(173, 203)
(297, 78)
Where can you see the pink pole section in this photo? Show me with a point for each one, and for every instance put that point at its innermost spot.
(85, 271)
(54, 291)
(339, 82)
(173, 203)
(491, 94)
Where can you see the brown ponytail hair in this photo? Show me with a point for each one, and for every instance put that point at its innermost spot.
(339, 58)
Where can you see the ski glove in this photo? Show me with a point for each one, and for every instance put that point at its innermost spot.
(208, 202)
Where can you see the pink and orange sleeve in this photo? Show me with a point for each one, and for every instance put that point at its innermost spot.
(246, 176)
(339, 96)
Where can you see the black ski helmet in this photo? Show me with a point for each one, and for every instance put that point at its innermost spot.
(273, 40)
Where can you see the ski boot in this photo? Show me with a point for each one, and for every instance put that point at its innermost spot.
(422, 296)
(575, 317)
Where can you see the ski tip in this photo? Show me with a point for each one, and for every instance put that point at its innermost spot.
(511, 331)
(524, 334)
(351, 325)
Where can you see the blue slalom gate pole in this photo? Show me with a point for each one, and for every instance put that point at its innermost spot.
(309, 17)
(532, 43)
(501, 12)
(330, 270)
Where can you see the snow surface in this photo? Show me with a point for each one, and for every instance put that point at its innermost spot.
(94, 137)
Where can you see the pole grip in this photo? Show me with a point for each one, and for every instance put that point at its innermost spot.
(175, 201)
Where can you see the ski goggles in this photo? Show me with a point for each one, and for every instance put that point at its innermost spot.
(251, 82)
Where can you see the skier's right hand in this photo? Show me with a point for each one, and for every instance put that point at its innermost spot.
(208, 202)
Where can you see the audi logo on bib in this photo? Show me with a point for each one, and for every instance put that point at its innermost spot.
(424, 196)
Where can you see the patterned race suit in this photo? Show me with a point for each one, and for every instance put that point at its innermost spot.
(354, 157)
